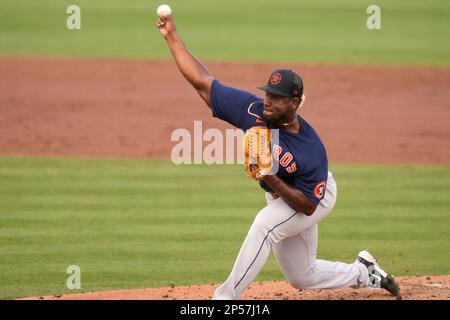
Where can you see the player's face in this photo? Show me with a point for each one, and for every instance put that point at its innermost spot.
(278, 109)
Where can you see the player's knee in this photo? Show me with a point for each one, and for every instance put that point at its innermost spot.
(301, 283)
(305, 280)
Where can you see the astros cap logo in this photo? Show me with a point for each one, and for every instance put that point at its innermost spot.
(276, 78)
(319, 190)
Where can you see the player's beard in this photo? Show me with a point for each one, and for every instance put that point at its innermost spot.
(280, 119)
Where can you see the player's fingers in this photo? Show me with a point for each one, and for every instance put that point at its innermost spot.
(160, 23)
(166, 19)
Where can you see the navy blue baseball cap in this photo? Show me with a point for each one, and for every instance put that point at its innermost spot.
(284, 82)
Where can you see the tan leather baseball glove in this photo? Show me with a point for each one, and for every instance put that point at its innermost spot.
(258, 155)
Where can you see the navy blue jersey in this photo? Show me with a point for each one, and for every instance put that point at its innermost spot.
(302, 156)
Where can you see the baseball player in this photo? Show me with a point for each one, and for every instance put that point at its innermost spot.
(299, 195)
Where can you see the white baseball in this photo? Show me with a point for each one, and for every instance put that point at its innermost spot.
(163, 10)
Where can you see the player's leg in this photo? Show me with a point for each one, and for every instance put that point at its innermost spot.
(275, 222)
(272, 224)
(296, 256)
(297, 259)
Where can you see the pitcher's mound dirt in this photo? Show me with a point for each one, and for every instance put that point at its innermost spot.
(411, 288)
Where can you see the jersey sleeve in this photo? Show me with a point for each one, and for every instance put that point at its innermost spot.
(313, 183)
(230, 104)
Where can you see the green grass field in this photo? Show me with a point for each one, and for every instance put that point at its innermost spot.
(148, 223)
(413, 32)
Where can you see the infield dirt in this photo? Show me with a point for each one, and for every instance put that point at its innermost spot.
(411, 288)
(129, 108)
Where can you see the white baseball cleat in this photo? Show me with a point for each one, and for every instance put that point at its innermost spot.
(377, 277)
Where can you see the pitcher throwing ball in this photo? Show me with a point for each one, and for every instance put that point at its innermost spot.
(299, 195)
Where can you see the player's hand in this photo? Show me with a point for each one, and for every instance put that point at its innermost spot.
(166, 26)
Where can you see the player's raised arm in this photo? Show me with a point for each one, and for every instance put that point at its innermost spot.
(191, 68)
